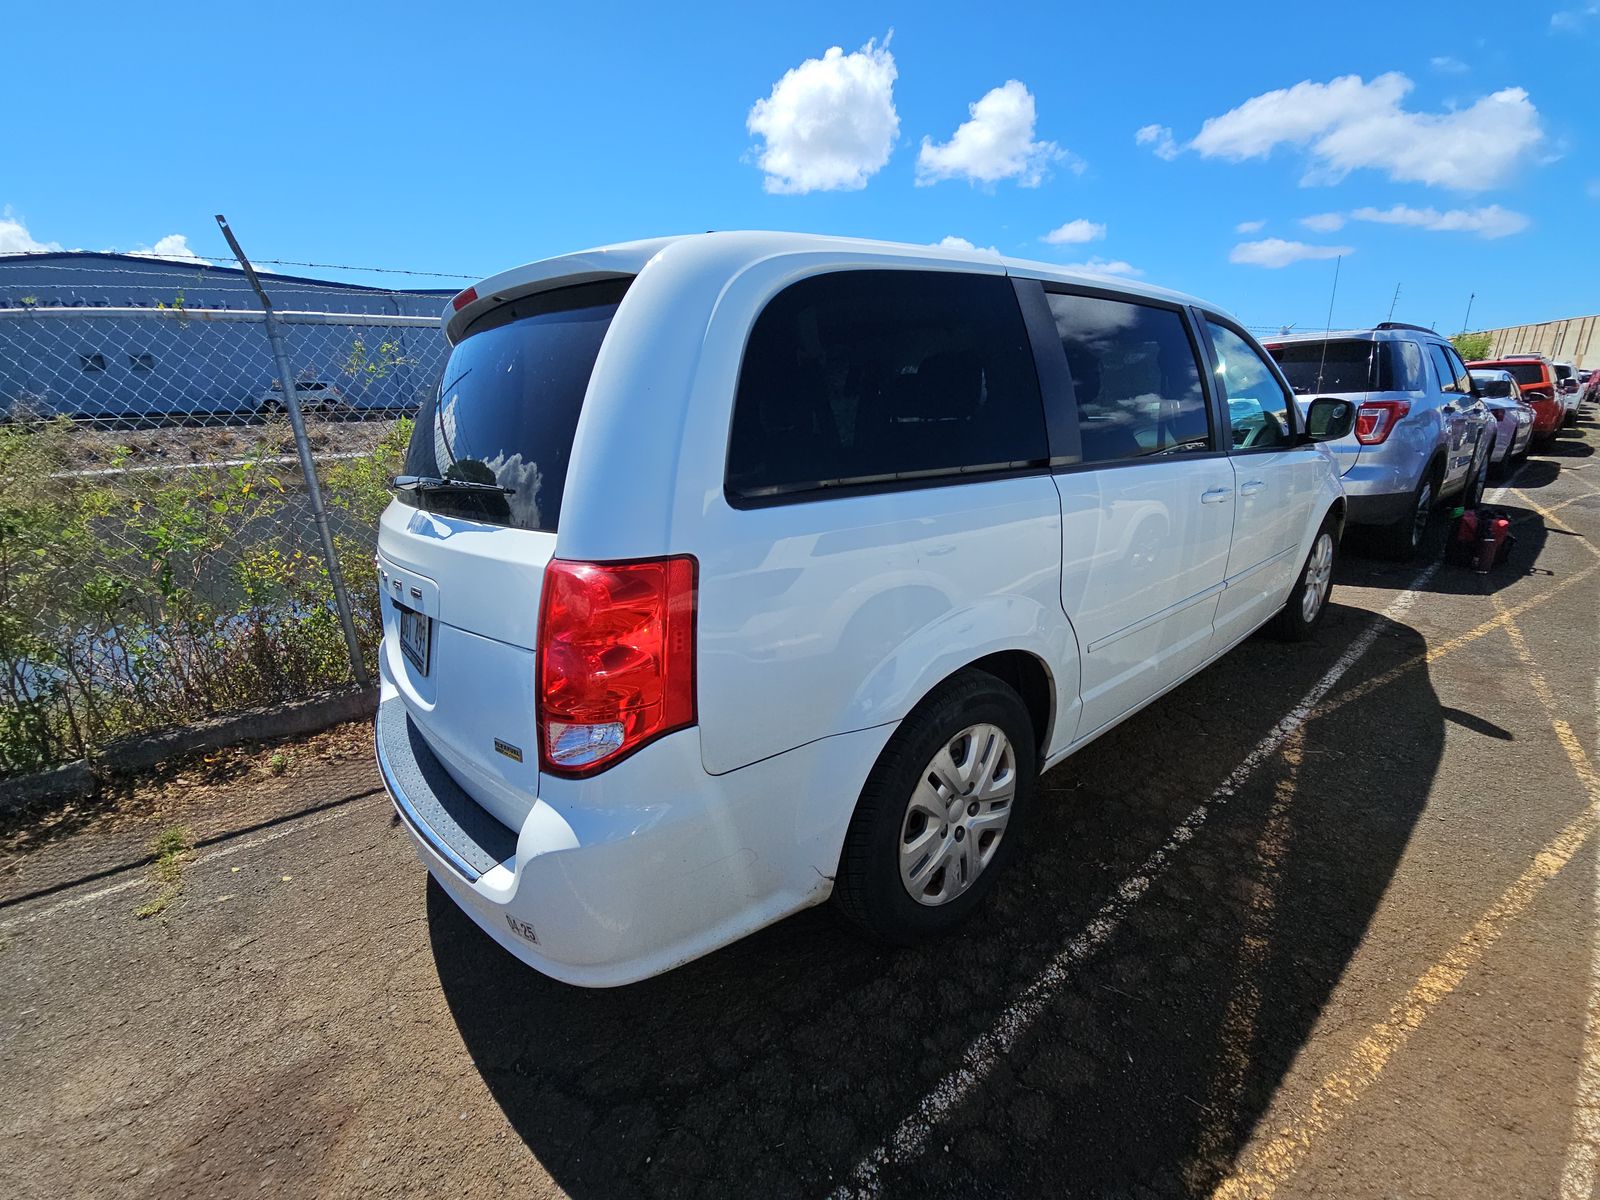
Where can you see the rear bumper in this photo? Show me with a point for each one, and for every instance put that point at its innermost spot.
(645, 866)
(1380, 509)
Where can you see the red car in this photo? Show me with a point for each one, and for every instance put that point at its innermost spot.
(1537, 379)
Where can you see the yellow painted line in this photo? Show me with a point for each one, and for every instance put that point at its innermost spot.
(1265, 1169)
(1549, 517)
(1238, 1030)
(1583, 1147)
(1450, 645)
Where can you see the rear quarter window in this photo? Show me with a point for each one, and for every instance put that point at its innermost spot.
(858, 378)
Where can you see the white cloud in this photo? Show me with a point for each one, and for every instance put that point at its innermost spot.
(1446, 65)
(829, 123)
(173, 248)
(1571, 20)
(1323, 222)
(951, 242)
(1102, 266)
(996, 143)
(1075, 232)
(1593, 189)
(1348, 124)
(15, 238)
(1490, 222)
(1275, 252)
(1160, 140)
(1249, 226)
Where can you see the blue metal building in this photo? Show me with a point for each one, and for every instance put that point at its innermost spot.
(129, 337)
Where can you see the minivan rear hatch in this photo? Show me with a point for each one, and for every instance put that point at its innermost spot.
(462, 551)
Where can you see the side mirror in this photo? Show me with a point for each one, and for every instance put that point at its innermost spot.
(1569, 386)
(1328, 420)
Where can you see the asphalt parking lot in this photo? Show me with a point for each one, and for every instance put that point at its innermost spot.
(1323, 922)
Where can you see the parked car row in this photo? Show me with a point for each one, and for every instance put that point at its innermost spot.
(734, 572)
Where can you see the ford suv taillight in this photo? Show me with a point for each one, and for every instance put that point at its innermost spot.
(1376, 419)
(616, 659)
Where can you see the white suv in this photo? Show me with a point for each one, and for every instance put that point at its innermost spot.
(733, 571)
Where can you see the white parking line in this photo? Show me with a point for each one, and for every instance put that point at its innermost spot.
(1578, 1178)
(139, 881)
(911, 1136)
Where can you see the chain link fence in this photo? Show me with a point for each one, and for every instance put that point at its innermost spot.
(158, 559)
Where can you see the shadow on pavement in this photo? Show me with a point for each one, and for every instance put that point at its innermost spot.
(773, 1066)
(1355, 568)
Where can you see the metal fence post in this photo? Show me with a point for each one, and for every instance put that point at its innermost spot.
(308, 466)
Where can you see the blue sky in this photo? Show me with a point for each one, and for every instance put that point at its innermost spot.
(1463, 156)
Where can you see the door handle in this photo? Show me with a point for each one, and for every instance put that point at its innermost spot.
(1216, 496)
(1251, 488)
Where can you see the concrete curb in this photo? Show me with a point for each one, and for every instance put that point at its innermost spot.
(140, 753)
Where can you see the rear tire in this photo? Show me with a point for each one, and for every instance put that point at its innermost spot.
(1472, 494)
(907, 833)
(1297, 621)
(1402, 539)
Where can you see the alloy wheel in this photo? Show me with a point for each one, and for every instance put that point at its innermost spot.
(1319, 577)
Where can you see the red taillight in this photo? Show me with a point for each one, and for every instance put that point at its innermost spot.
(616, 659)
(464, 298)
(1376, 419)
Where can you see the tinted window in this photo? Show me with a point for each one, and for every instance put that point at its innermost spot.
(1349, 365)
(508, 407)
(1258, 405)
(1406, 362)
(1134, 376)
(1491, 387)
(869, 376)
(1563, 372)
(1529, 374)
(1452, 375)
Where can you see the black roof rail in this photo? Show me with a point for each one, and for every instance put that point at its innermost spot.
(1405, 325)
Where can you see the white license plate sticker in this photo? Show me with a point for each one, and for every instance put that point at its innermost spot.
(415, 635)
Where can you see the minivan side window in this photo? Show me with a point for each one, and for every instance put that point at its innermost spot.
(860, 378)
(1258, 405)
(1134, 377)
(1451, 379)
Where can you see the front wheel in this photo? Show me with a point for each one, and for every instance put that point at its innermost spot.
(1308, 601)
(941, 813)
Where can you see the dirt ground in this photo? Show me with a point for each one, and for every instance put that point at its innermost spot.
(1249, 952)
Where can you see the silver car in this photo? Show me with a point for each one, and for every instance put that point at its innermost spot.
(1422, 435)
(1513, 419)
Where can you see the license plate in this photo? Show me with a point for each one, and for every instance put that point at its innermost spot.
(415, 635)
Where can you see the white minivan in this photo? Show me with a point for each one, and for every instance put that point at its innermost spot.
(734, 571)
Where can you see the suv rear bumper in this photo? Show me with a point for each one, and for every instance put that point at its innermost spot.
(1379, 491)
(646, 866)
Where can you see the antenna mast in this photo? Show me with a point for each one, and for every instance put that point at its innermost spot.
(1328, 328)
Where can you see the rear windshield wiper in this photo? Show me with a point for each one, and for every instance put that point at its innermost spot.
(434, 483)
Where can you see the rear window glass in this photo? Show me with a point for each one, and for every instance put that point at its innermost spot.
(1563, 372)
(1490, 387)
(1348, 365)
(862, 377)
(507, 409)
(1525, 373)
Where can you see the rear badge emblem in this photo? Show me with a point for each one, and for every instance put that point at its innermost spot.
(514, 753)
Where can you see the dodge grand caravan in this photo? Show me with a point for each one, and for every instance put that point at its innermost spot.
(731, 572)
